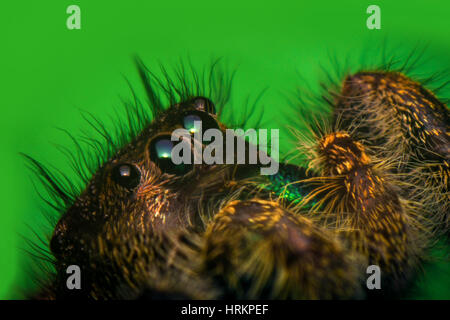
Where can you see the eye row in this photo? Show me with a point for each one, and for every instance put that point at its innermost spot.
(129, 176)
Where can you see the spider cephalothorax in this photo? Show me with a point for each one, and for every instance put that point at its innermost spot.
(141, 192)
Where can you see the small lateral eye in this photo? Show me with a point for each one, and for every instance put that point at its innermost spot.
(126, 175)
(161, 155)
(204, 104)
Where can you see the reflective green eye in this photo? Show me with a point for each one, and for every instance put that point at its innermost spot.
(207, 122)
(189, 121)
(163, 148)
(161, 155)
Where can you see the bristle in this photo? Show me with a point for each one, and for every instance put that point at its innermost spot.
(366, 208)
(403, 120)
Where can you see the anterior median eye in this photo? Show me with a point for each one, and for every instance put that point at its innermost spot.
(163, 148)
(161, 155)
(189, 122)
(192, 117)
(126, 175)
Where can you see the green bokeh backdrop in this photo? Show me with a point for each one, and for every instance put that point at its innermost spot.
(48, 72)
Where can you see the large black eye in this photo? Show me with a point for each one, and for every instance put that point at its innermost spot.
(189, 122)
(207, 121)
(161, 154)
(126, 175)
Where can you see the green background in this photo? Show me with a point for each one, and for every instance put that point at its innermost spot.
(48, 72)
